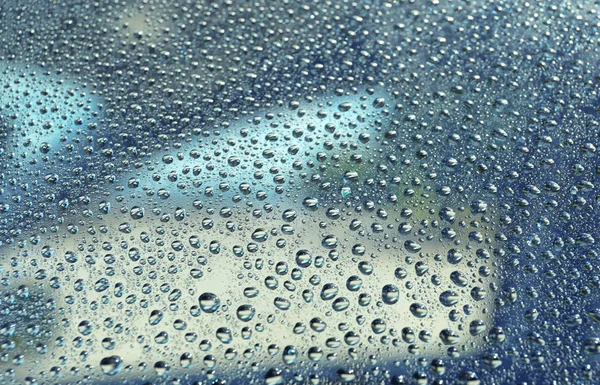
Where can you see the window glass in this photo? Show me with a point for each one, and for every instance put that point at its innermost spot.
(299, 192)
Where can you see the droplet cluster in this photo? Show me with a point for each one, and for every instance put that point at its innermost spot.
(322, 192)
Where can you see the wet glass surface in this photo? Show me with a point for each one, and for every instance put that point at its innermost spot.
(299, 192)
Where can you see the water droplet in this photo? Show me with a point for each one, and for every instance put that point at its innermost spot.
(390, 294)
(245, 313)
(209, 302)
(111, 365)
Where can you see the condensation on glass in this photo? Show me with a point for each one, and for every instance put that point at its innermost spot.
(299, 192)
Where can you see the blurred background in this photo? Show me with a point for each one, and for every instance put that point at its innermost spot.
(298, 192)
